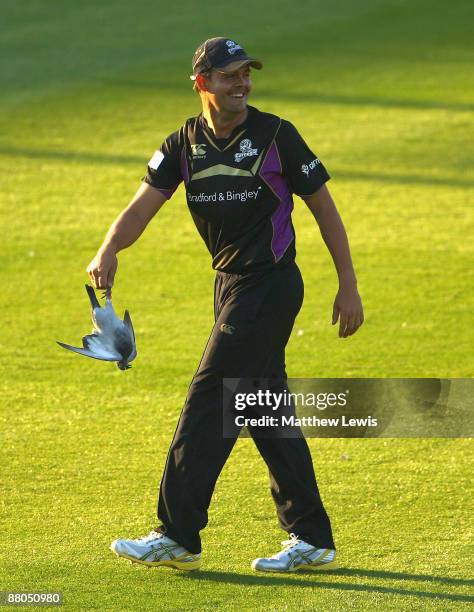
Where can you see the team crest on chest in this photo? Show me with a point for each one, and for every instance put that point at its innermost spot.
(245, 150)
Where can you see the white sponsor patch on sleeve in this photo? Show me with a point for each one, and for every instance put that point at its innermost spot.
(156, 160)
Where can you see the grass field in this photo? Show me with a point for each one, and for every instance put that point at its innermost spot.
(383, 92)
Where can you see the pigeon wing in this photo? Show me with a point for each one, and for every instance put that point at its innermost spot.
(101, 344)
(128, 324)
(102, 353)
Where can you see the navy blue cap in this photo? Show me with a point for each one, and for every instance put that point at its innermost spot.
(220, 53)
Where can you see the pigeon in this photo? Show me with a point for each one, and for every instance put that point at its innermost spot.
(111, 339)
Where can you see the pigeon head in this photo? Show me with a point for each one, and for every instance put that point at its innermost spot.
(123, 365)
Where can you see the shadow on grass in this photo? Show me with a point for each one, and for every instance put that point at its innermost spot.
(75, 156)
(355, 571)
(315, 97)
(272, 580)
(118, 159)
(403, 179)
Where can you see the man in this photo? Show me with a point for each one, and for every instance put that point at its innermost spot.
(240, 167)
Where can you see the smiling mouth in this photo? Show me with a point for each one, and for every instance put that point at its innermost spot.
(238, 96)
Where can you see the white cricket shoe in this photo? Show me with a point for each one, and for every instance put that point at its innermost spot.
(297, 554)
(156, 549)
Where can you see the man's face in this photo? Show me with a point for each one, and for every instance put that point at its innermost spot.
(228, 92)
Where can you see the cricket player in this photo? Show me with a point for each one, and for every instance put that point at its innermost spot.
(240, 169)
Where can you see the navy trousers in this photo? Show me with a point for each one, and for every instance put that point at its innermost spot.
(254, 316)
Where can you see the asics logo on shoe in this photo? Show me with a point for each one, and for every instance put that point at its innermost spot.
(156, 550)
(297, 554)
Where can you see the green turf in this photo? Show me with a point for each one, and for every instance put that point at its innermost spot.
(382, 91)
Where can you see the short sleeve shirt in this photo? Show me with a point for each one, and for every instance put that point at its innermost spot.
(239, 190)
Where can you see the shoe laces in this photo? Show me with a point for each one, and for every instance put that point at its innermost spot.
(292, 541)
(153, 535)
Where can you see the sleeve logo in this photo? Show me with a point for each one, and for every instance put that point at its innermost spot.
(156, 160)
(306, 168)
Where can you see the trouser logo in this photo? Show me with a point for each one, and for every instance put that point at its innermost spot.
(227, 329)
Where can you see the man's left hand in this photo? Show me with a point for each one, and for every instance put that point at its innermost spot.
(348, 309)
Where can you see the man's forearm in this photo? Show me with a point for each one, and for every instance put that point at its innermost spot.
(334, 235)
(333, 232)
(131, 223)
(124, 231)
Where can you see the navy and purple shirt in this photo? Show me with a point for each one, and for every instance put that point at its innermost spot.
(239, 189)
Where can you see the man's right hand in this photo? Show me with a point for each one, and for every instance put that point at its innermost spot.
(102, 269)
